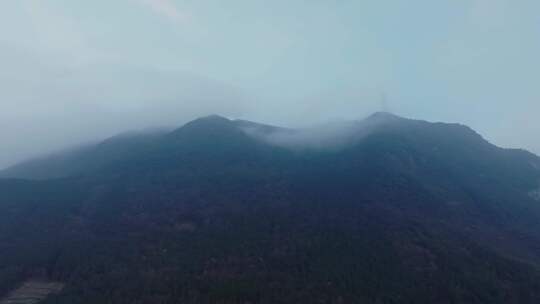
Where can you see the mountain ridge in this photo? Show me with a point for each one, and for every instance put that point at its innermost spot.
(228, 211)
(51, 166)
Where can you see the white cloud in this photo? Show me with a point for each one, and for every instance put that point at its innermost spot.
(51, 33)
(167, 9)
(488, 14)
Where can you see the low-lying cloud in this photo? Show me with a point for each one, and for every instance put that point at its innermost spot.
(329, 136)
(79, 71)
(46, 109)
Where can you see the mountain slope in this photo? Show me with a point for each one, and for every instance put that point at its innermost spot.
(82, 160)
(219, 211)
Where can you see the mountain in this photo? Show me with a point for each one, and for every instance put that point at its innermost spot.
(381, 210)
(85, 159)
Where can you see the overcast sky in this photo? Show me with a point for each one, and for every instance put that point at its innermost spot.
(77, 71)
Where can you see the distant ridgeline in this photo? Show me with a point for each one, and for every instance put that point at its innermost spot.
(381, 210)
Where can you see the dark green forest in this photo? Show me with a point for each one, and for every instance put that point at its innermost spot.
(409, 212)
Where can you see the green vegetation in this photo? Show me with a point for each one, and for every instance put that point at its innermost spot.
(412, 213)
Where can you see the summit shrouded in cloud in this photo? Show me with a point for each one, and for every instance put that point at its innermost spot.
(269, 151)
(74, 72)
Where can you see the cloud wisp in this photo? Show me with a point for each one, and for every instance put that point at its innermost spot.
(329, 136)
(167, 9)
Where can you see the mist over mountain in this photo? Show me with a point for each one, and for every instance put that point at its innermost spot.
(372, 152)
(330, 136)
(380, 210)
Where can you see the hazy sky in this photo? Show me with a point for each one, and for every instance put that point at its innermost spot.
(74, 71)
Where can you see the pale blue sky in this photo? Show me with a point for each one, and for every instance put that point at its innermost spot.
(74, 71)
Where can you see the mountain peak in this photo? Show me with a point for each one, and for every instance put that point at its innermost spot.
(384, 116)
(214, 118)
(209, 131)
(210, 122)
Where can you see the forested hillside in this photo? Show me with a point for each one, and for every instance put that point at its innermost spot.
(221, 211)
